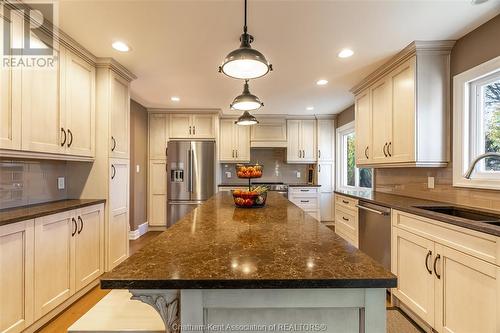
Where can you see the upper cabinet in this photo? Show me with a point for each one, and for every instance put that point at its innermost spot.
(269, 132)
(402, 109)
(301, 143)
(120, 116)
(234, 142)
(158, 136)
(192, 126)
(326, 135)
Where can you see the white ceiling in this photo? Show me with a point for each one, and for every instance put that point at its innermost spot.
(178, 45)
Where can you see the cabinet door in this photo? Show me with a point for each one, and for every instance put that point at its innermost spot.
(79, 105)
(157, 193)
(119, 117)
(158, 136)
(89, 245)
(402, 145)
(10, 104)
(363, 123)
(242, 143)
(226, 140)
(54, 250)
(325, 140)
(325, 177)
(381, 110)
(180, 126)
(203, 126)
(118, 225)
(16, 276)
(293, 150)
(326, 207)
(308, 140)
(269, 130)
(467, 293)
(42, 119)
(412, 257)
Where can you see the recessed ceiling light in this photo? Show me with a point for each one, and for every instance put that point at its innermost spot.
(310, 108)
(321, 82)
(120, 46)
(346, 53)
(175, 99)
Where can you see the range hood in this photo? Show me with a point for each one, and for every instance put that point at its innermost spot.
(269, 133)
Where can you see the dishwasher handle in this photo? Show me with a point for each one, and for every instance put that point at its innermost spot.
(373, 210)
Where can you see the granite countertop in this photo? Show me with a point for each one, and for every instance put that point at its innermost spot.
(407, 204)
(304, 185)
(12, 215)
(219, 246)
(289, 185)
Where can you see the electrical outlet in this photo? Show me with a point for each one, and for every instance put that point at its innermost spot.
(228, 174)
(298, 174)
(137, 168)
(60, 183)
(430, 182)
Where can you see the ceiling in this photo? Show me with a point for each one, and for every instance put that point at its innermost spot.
(177, 46)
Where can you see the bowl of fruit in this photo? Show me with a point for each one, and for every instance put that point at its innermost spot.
(249, 171)
(256, 197)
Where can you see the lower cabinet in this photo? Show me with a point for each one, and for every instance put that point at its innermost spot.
(16, 276)
(45, 261)
(157, 205)
(307, 198)
(441, 278)
(346, 219)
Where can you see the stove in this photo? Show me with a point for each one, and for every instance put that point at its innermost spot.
(275, 187)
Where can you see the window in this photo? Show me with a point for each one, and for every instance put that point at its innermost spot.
(348, 175)
(477, 125)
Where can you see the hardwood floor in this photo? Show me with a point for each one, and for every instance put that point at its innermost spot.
(62, 322)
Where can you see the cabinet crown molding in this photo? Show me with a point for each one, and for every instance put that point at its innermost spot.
(116, 67)
(185, 111)
(415, 48)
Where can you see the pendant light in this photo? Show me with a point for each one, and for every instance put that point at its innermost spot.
(246, 101)
(245, 62)
(246, 119)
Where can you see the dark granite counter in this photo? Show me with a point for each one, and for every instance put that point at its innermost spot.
(304, 185)
(12, 215)
(407, 204)
(219, 246)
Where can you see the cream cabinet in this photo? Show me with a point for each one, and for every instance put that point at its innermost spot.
(346, 219)
(119, 116)
(157, 205)
(234, 142)
(158, 136)
(301, 142)
(447, 275)
(325, 179)
(192, 126)
(307, 198)
(402, 109)
(118, 223)
(16, 276)
(326, 140)
(269, 132)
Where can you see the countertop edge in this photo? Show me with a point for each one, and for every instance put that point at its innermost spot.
(29, 216)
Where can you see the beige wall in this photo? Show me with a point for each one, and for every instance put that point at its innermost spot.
(345, 117)
(478, 46)
(138, 157)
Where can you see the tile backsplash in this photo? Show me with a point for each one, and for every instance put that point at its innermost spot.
(30, 182)
(275, 168)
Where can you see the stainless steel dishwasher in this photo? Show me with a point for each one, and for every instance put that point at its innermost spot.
(374, 223)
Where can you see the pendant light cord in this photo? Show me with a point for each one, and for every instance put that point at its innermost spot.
(245, 26)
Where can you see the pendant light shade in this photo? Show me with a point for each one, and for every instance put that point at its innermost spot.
(245, 63)
(246, 101)
(246, 119)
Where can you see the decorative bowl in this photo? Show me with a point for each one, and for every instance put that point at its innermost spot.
(249, 199)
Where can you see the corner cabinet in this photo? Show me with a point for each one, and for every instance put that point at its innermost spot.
(447, 275)
(301, 142)
(402, 109)
(234, 142)
(192, 126)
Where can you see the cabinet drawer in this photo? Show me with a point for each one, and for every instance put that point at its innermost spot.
(345, 202)
(303, 190)
(313, 213)
(312, 202)
(346, 223)
(474, 243)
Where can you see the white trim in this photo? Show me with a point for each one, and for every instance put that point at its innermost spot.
(461, 135)
(141, 230)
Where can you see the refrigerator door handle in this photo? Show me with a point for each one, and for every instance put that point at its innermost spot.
(190, 159)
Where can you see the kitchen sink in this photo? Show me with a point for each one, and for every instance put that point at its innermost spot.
(464, 213)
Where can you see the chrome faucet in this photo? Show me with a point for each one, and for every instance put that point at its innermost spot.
(476, 160)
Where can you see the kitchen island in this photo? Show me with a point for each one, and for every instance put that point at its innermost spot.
(265, 269)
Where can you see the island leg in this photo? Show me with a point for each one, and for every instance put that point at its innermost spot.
(165, 302)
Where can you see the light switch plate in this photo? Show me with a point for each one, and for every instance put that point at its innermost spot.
(137, 168)
(430, 182)
(60, 183)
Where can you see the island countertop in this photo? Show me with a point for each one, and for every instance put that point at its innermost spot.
(219, 246)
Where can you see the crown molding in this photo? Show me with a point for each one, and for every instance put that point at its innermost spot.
(185, 110)
(416, 48)
(115, 66)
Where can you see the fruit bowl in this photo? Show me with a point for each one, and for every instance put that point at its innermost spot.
(249, 199)
(249, 171)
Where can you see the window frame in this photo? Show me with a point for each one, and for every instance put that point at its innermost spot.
(466, 127)
(340, 173)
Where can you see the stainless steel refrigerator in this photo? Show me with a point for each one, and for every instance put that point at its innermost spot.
(191, 176)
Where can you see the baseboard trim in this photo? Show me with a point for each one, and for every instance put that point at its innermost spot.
(141, 230)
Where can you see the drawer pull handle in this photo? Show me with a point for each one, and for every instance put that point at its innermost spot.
(64, 140)
(345, 201)
(81, 224)
(304, 190)
(75, 227)
(304, 200)
(435, 263)
(344, 218)
(114, 143)
(429, 254)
